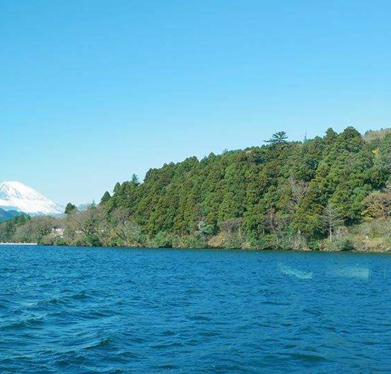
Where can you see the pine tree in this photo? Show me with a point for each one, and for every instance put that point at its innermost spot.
(69, 208)
(279, 137)
(105, 198)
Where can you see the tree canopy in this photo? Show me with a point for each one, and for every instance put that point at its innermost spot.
(294, 195)
(70, 208)
(278, 138)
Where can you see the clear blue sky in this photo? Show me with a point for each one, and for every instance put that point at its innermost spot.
(93, 91)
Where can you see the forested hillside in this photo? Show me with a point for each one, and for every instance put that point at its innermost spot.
(6, 215)
(320, 193)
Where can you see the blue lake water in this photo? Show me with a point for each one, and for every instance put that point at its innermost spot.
(76, 310)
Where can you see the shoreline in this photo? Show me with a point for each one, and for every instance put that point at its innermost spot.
(380, 251)
(18, 244)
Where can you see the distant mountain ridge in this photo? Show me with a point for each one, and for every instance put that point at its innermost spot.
(15, 196)
(6, 215)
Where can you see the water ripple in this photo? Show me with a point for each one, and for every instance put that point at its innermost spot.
(82, 311)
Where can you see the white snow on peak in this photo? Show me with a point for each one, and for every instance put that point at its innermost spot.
(17, 196)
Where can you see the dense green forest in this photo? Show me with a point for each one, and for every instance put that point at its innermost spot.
(331, 193)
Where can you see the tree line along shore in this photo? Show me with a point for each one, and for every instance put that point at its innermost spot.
(328, 193)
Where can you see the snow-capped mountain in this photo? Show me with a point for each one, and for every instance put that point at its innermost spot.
(17, 196)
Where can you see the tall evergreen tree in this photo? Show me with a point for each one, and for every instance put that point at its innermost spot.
(69, 208)
(105, 198)
(278, 138)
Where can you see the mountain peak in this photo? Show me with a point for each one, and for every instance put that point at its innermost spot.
(19, 197)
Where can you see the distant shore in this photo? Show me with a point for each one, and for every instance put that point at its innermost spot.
(372, 250)
(18, 244)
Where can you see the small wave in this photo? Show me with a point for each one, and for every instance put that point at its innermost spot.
(30, 323)
(308, 357)
(80, 296)
(167, 367)
(53, 301)
(200, 318)
(101, 344)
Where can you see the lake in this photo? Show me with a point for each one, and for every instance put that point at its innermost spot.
(78, 310)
